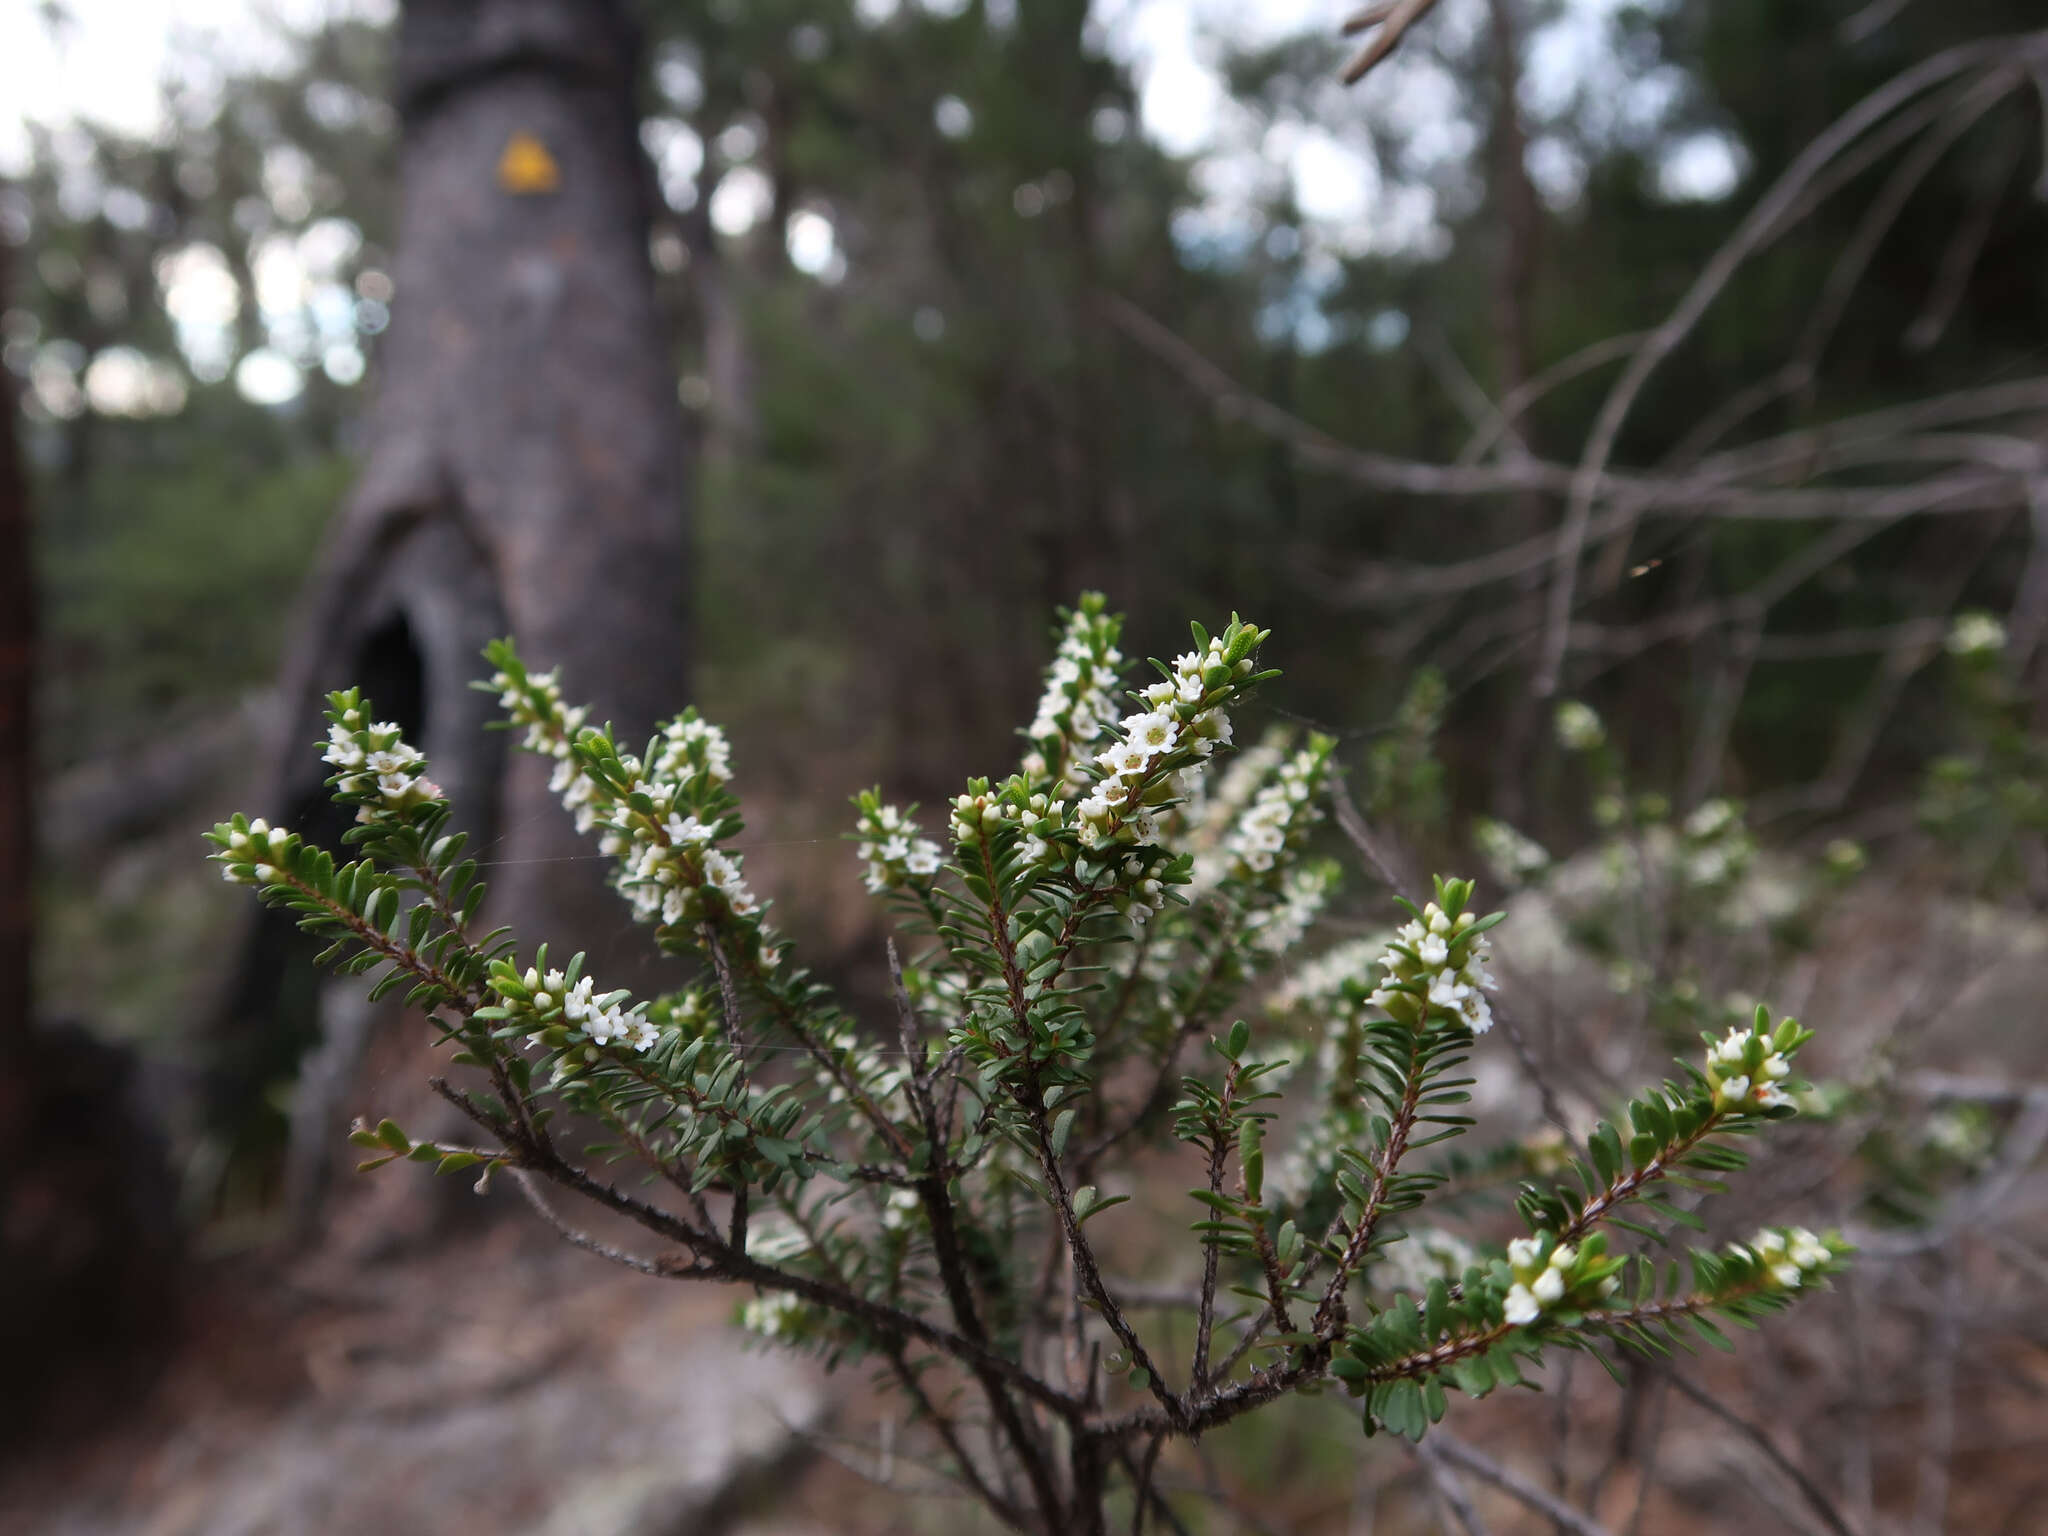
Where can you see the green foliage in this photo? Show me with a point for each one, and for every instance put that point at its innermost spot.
(1090, 917)
(1988, 801)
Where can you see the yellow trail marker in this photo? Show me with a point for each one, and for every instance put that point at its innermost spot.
(526, 169)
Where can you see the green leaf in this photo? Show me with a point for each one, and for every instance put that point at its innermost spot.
(1240, 1037)
(1062, 1126)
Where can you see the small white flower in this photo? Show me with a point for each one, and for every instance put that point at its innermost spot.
(1123, 760)
(1433, 951)
(1578, 728)
(1974, 634)
(1157, 732)
(1731, 1049)
(1522, 1307)
(1477, 1012)
(577, 1007)
(342, 750)
(1522, 1252)
(688, 830)
(1712, 817)
(1447, 991)
(923, 858)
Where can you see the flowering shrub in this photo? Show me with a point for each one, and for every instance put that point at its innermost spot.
(1988, 800)
(929, 1196)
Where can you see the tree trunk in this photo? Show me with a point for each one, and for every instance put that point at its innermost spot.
(17, 703)
(87, 1249)
(524, 475)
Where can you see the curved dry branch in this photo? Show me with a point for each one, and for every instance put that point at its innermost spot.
(1752, 235)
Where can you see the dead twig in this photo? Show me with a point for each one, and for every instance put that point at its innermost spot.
(1393, 18)
(1514, 1485)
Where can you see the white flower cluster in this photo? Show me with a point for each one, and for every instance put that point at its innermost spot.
(1790, 1256)
(689, 746)
(666, 858)
(774, 1317)
(1716, 847)
(1212, 813)
(1844, 856)
(687, 1012)
(892, 851)
(882, 1078)
(1186, 715)
(1143, 895)
(1975, 634)
(663, 876)
(1543, 1280)
(1284, 809)
(251, 854)
(773, 1238)
(375, 763)
(1275, 929)
(1434, 956)
(900, 1210)
(1079, 697)
(1422, 1256)
(1578, 728)
(1511, 854)
(536, 703)
(1316, 1151)
(979, 811)
(1744, 1071)
(1319, 984)
(601, 1018)
(1326, 994)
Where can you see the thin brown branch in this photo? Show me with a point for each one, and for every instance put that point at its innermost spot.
(1816, 1499)
(1471, 1459)
(531, 1190)
(1436, 1465)
(1719, 271)
(1393, 18)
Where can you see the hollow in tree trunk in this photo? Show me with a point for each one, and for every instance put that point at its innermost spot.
(523, 476)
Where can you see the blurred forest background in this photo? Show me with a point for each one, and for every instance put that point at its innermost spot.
(973, 304)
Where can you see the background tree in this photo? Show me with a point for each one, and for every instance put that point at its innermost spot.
(523, 464)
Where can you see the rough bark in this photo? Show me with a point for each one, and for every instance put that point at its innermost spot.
(524, 468)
